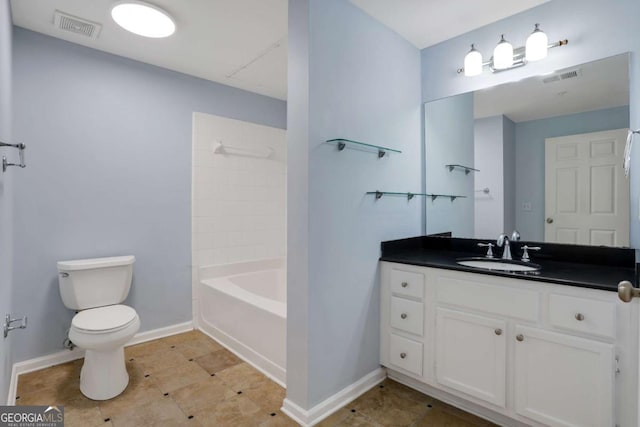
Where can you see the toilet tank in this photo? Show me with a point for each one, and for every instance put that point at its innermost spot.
(96, 282)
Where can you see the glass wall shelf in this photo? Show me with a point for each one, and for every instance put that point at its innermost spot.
(466, 169)
(342, 143)
(410, 196)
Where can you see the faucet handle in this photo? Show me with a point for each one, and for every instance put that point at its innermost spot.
(525, 253)
(489, 247)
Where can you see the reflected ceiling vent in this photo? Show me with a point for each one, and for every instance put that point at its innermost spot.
(73, 24)
(563, 76)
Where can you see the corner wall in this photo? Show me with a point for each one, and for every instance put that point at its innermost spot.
(6, 194)
(108, 173)
(349, 77)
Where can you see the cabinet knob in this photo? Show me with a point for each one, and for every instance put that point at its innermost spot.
(579, 317)
(549, 220)
(404, 284)
(498, 331)
(403, 355)
(520, 337)
(403, 316)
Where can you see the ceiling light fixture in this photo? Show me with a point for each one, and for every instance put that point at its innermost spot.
(143, 19)
(505, 57)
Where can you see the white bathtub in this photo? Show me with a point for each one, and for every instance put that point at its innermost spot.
(244, 307)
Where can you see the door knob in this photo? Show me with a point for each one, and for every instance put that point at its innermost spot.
(549, 220)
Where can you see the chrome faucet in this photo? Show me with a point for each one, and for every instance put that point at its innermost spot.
(503, 240)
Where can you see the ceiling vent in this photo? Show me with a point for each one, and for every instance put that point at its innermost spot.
(73, 24)
(563, 76)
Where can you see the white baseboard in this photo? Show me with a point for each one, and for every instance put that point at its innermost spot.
(327, 407)
(65, 356)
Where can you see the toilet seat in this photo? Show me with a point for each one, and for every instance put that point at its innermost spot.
(101, 320)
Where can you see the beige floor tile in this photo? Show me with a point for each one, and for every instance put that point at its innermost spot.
(405, 392)
(146, 348)
(459, 413)
(268, 395)
(201, 395)
(217, 361)
(388, 408)
(140, 391)
(82, 412)
(184, 337)
(242, 377)
(53, 377)
(236, 411)
(160, 361)
(160, 412)
(179, 376)
(335, 418)
(198, 347)
(436, 417)
(278, 420)
(357, 420)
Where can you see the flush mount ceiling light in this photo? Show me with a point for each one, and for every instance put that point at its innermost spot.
(143, 19)
(505, 57)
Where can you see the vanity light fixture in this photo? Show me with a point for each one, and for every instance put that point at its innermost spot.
(505, 57)
(143, 19)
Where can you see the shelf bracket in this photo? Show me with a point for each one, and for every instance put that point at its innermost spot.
(341, 145)
(381, 153)
(378, 195)
(410, 196)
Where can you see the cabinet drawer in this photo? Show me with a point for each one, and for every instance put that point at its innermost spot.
(590, 316)
(407, 283)
(407, 315)
(406, 354)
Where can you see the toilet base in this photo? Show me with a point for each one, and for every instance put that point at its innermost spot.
(104, 374)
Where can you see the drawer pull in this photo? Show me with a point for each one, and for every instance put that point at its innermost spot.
(403, 316)
(579, 317)
(403, 355)
(520, 337)
(498, 331)
(404, 284)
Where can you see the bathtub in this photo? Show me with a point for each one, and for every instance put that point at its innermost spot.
(244, 307)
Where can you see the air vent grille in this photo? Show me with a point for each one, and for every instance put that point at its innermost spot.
(562, 76)
(73, 24)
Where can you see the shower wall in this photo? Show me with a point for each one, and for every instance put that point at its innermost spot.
(238, 198)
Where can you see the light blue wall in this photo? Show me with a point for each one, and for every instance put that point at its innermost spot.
(529, 163)
(449, 140)
(364, 84)
(488, 147)
(6, 197)
(596, 29)
(510, 173)
(109, 173)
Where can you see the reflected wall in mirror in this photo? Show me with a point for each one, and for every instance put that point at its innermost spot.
(548, 151)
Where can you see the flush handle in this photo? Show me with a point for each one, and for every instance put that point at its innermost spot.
(64, 274)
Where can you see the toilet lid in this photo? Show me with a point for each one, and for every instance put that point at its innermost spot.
(104, 318)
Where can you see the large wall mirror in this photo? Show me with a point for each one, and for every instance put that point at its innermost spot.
(542, 155)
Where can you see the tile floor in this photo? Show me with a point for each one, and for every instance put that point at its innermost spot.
(190, 380)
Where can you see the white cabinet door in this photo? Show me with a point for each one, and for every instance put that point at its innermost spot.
(562, 380)
(471, 355)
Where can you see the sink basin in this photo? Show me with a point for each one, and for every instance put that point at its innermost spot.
(498, 264)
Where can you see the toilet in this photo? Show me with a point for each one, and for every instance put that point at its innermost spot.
(95, 288)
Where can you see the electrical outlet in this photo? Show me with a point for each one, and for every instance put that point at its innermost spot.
(526, 206)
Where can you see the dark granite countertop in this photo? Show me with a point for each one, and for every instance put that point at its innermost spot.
(573, 265)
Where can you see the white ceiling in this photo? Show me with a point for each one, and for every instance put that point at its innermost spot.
(214, 38)
(600, 84)
(428, 22)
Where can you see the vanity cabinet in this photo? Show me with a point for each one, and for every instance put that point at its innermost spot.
(517, 352)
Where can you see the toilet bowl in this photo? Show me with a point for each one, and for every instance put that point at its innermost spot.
(102, 326)
(103, 332)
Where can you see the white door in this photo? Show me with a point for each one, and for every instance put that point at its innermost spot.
(471, 355)
(586, 193)
(561, 380)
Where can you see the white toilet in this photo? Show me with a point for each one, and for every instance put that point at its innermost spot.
(95, 288)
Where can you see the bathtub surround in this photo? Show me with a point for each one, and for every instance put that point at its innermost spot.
(6, 195)
(109, 173)
(349, 77)
(596, 29)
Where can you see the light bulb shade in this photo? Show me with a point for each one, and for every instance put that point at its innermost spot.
(503, 55)
(536, 46)
(473, 63)
(143, 19)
